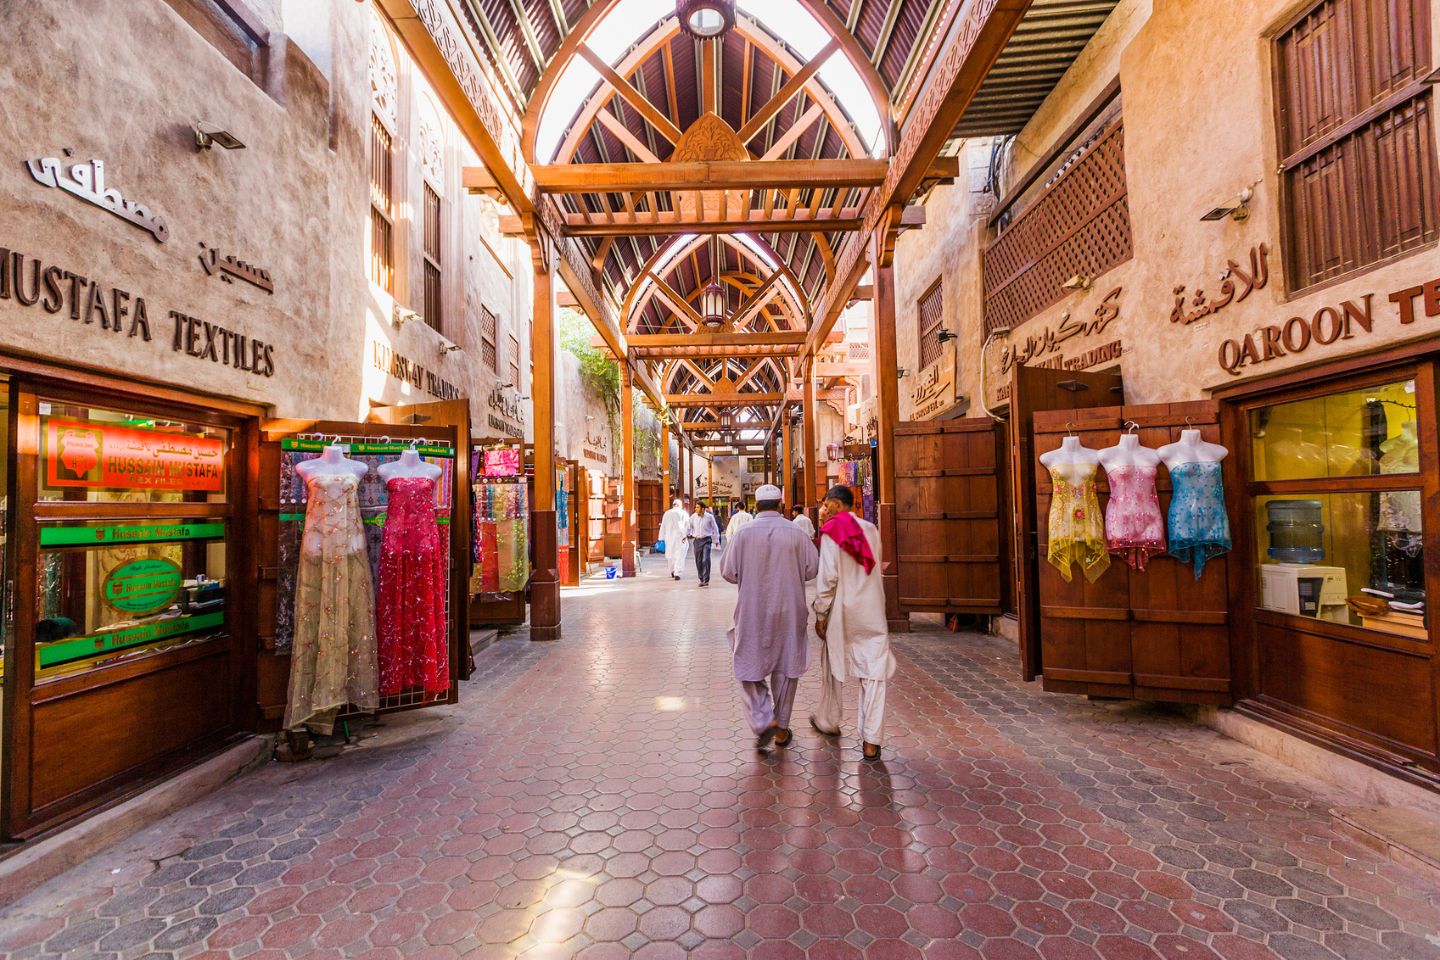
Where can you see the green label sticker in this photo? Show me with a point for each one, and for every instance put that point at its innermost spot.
(129, 533)
(370, 449)
(143, 586)
(60, 652)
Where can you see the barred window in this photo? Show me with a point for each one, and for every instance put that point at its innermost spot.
(1356, 136)
(931, 312)
(382, 206)
(433, 302)
(515, 361)
(489, 325)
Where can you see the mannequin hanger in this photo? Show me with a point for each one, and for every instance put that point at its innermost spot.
(1191, 448)
(1073, 457)
(409, 465)
(1127, 451)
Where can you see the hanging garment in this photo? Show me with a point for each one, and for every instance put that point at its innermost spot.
(1199, 526)
(503, 462)
(1134, 527)
(1077, 530)
(410, 612)
(332, 661)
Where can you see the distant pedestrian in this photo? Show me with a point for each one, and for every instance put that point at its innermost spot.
(672, 533)
(801, 519)
(702, 531)
(770, 560)
(738, 519)
(850, 620)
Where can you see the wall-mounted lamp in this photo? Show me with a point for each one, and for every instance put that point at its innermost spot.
(1078, 282)
(1239, 211)
(945, 336)
(901, 373)
(449, 348)
(209, 134)
(401, 316)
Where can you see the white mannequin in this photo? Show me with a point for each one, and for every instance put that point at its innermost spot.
(1191, 449)
(1074, 462)
(332, 461)
(1128, 453)
(409, 465)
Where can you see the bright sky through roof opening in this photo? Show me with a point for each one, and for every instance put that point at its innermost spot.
(630, 20)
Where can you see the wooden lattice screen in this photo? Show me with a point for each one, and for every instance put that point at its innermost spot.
(931, 310)
(857, 351)
(1080, 226)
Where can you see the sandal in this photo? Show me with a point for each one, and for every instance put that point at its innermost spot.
(821, 730)
(865, 749)
(783, 738)
(766, 737)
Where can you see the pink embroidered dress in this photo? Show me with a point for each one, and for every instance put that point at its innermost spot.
(413, 652)
(1134, 526)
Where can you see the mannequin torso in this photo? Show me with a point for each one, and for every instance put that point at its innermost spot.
(331, 462)
(1190, 448)
(1128, 453)
(1073, 462)
(409, 465)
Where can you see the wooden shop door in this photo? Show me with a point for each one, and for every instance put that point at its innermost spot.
(950, 541)
(1033, 389)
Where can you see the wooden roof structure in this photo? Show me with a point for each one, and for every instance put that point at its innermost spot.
(647, 164)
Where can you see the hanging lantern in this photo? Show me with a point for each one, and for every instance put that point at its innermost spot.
(705, 19)
(712, 305)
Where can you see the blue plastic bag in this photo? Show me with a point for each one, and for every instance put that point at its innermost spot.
(659, 546)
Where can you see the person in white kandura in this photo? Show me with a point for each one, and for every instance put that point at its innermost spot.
(738, 519)
(672, 534)
(801, 519)
(850, 620)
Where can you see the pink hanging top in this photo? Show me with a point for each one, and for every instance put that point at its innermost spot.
(1134, 526)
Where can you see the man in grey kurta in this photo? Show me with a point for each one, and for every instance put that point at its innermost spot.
(770, 560)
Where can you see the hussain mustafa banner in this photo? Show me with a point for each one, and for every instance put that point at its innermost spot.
(99, 455)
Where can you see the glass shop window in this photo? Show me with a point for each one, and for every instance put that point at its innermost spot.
(113, 591)
(1338, 523)
(111, 456)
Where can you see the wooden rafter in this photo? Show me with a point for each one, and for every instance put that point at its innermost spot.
(787, 93)
(679, 304)
(630, 95)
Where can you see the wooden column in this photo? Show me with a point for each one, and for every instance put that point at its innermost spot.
(629, 520)
(887, 391)
(545, 581)
(664, 468)
(808, 432)
(710, 481)
(787, 456)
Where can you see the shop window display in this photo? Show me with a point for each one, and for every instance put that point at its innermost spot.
(1343, 540)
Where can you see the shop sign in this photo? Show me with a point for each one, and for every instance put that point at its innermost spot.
(100, 456)
(129, 534)
(82, 648)
(504, 428)
(1199, 306)
(935, 391)
(379, 448)
(1327, 325)
(142, 586)
(595, 455)
(403, 368)
(506, 406)
(230, 269)
(87, 181)
(30, 282)
(1037, 347)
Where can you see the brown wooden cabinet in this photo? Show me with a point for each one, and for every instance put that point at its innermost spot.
(650, 505)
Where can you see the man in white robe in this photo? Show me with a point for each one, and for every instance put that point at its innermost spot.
(770, 561)
(802, 520)
(672, 532)
(850, 619)
(738, 519)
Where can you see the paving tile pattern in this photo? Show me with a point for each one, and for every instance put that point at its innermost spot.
(598, 798)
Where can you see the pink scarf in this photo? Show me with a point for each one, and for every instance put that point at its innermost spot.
(845, 530)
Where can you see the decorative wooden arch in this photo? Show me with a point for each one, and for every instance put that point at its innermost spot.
(635, 302)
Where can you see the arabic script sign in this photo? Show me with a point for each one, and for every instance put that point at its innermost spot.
(229, 267)
(101, 456)
(1049, 340)
(87, 181)
(142, 586)
(1198, 306)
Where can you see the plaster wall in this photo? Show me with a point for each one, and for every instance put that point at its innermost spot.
(1199, 103)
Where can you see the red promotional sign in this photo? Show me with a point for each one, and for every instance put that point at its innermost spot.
(99, 455)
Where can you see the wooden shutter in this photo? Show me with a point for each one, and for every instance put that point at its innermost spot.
(382, 207)
(434, 304)
(1356, 135)
(1156, 634)
(949, 543)
(931, 311)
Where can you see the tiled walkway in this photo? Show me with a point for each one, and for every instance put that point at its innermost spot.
(598, 798)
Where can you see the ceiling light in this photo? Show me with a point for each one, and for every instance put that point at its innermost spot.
(705, 19)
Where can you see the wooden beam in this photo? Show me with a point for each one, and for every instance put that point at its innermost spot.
(756, 351)
(678, 304)
(702, 426)
(701, 339)
(787, 93)
(722, 399)
(667, 223)
(630, 95)
(708, 175)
